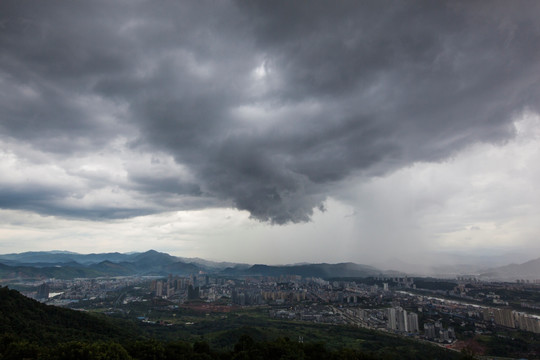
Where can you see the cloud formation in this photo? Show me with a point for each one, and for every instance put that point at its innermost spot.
(113, 110)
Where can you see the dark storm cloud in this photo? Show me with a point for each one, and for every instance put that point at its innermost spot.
(268, 104)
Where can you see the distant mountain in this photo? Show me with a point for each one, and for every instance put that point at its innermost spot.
(67, 271)
(153, 260)
(66, 265)
(38, 257)
(210, 265)
(57, 257)
(41, 265)
(308, 270)
(115, 269)
(529, 270)
(182, 268)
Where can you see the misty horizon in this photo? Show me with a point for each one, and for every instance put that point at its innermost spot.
(460, 266)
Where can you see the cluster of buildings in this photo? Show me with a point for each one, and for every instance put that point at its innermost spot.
(325, 314)
(193, 287)
(435, 331)
(512, 319)
(401, 321)
(262, 290)
(190, 286)
(247, 297)
(62, 292)
(384, 303)
(284, 296)
(367, 305)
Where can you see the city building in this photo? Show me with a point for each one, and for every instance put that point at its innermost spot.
(43, 291)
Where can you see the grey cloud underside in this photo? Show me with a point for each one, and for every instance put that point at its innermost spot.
(44, 200)
(353, 87)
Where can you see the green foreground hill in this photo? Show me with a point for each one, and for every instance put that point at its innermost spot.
(30, 320)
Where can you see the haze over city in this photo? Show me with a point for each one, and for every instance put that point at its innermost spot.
(272, 132)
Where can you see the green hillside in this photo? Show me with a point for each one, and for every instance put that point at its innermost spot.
(30, 320)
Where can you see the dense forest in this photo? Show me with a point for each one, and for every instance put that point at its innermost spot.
(31, 330)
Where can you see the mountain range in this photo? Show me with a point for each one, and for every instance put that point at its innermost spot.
(529, 270)
(69, 265)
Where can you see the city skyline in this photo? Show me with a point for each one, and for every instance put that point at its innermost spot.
(274, 133)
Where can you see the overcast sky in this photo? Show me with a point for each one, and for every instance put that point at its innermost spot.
(271, 131)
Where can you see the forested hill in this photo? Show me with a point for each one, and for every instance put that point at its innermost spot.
(30, 320)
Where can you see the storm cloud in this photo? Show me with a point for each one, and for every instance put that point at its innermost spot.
(263, 106)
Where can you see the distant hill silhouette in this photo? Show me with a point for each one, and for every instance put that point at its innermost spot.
(93, 265)
(529, 270)
(67, 265)
(314, 270)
